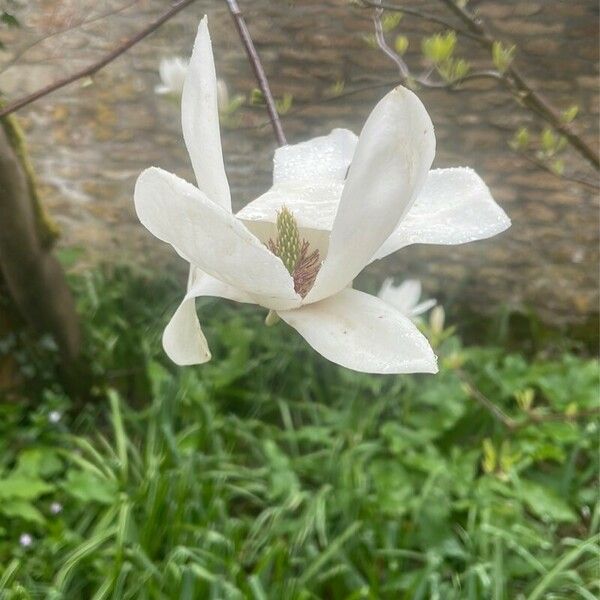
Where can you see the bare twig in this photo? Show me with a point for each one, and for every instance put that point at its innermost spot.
(525, 92)
(257, 67)
(532, 417)
(380, 37)
(568, 176)
(62, 30)
(494, 410)
(97, 66)
(420, 14)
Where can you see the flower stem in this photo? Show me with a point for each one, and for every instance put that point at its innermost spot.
(272, 318)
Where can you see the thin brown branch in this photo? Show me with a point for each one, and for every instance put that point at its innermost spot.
(257, 67)
(62, 30)
(380, 37)
(423, 80)
(421, 15)
(568, 176)
(92, 69)
(532, 417)
(525, 92)
(482, 399)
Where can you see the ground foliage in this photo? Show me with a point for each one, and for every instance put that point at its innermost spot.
(270, 473)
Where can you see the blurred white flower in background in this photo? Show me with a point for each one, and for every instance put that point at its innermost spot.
(172, 73)
(54, 416)
(26, 540)
(405, 297)
(55, 508)
(338, 202)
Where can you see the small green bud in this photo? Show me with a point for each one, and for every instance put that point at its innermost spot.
(568, 115)
(391, 21)
(285, 103)
(439, 47)
(520, 140)
(401, 44)
(502, 56)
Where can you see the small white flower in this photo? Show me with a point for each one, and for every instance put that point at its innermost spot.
(342, 202)
(56, 508)
(25, 540)
(405, 297)
(54, 416)
(172, 73)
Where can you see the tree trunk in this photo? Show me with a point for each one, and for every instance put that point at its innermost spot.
(34, 277)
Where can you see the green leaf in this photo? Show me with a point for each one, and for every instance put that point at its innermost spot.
(38, 462)
(23, 488)
(502, 56)
(439, 47)
(545, 503)
(23, 510)
(569, 114)
(401, 44)
(284, 104)
(87, 487)
(391, 21)
(9, 19)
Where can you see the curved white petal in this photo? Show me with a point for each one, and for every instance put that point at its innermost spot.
(363, 333)
(454, 207)
(394, 152)
(183, 338)
(320, 159)
(211, 238)
(308, 179)
(313, 205)
(404, 296)
(423, 307)
(200, 120)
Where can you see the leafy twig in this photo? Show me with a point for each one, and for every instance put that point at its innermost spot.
(257, 67)
(98, 65)
(420, 14)
(532, 417)
(524, 91)
(480, 397)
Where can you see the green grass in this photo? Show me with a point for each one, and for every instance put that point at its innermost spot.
(270, 473)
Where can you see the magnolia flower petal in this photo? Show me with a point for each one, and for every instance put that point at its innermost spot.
(314, 206)
(183, 339)
(172, 73)
(404, 296)
(210, 237)
(363, 333)
(423, 307)
(308, 179)
(394, 152)
(454, 207)
(320, 159)
(200, 120)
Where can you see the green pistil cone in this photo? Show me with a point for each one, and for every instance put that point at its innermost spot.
(288, 239)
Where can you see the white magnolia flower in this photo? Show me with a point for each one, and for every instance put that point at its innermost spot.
(348, 202)
(172, 73)
(405, 297)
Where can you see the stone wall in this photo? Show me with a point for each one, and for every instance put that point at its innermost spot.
(89, 143)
